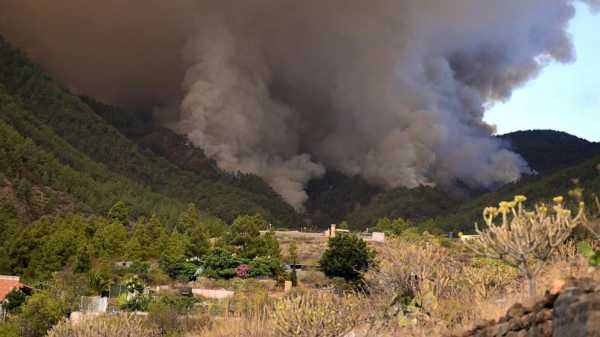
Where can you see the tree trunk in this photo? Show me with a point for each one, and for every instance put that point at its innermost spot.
(531, 284)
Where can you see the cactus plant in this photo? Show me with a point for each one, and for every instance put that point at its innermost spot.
(522, 238)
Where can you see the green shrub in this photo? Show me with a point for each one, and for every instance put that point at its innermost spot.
(157, 276)
(9, 329)
(164, 318)
(171, 315)
(316, 314)
(39, 313)
(136, 303)
(140, 268)
(98, 282)
(586, 250)
(392, 227)
(180, 267)
(134, 299)
(348, 257)
(220, 263)
(14, 300)
(265, 266)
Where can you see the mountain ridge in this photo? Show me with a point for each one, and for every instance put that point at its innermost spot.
(548, 150)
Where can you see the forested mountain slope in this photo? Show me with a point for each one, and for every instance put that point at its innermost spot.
(547, 150)
(34, 155)
(161, 141)
(37, 110)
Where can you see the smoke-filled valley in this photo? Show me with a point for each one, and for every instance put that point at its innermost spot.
(392, 91)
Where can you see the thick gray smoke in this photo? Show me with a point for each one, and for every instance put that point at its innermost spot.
(392, 90)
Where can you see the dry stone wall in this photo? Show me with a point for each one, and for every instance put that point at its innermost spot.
(573, 312)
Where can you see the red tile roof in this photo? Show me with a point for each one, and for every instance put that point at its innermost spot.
(7, 284)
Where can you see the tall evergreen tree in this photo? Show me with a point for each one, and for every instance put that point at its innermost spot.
(119, 213)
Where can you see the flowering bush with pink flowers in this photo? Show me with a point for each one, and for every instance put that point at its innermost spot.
(242, 271)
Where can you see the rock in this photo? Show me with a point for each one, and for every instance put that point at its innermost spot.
(546, 302)
(515, 324)
(545, 329)
(577, 314)
(527, 320)
(544, 315)
(588, 285)
(482, 324)
(498, 330)
(516, 311)
(480, 333)
(574, 312)
(521, 333)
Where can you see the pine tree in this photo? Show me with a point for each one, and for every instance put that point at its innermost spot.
(199, 244)
(110, 239)
(189, 224)
(188, 220)
(119, 213)
(293, 252)
(84, 261)
(177, 245)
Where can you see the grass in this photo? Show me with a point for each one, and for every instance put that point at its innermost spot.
(108, 325)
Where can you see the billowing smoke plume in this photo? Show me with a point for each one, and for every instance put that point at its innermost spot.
(392, 90)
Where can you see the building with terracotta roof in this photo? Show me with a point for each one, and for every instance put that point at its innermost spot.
(7, 284)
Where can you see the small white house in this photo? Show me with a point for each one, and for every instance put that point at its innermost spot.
(93, 304)
(465, 238)
(378, 236)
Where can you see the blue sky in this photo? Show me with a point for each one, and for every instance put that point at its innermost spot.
(563, 97)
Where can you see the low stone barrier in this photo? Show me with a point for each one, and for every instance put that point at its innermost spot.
(573, 312)
(217, 294)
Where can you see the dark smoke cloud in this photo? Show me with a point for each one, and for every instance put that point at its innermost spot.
(120, 51)
(393, 90)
